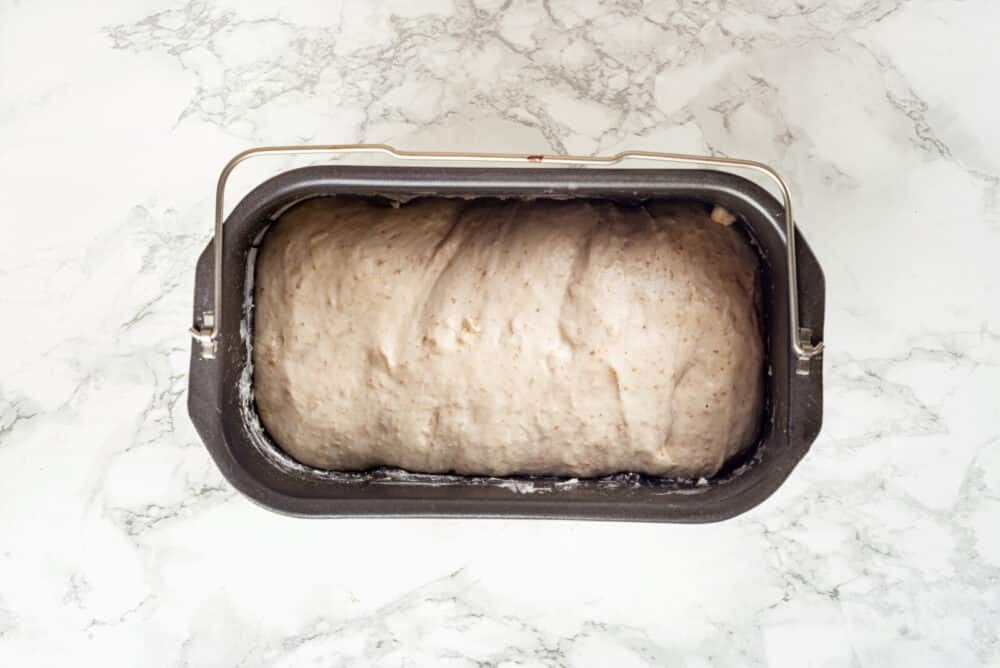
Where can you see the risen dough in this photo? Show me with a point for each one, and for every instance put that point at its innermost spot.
(576, 337)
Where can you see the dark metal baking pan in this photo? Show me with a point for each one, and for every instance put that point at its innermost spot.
(220, 397)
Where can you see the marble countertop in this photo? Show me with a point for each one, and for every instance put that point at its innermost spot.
(121, 544)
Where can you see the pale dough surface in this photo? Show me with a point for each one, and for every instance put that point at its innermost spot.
(573, 337)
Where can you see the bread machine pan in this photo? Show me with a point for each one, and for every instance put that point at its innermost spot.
(220, 395)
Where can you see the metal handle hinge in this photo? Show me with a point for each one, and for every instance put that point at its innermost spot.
(204, 334)
(809, 351)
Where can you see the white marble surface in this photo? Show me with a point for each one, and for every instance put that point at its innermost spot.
(120, 544)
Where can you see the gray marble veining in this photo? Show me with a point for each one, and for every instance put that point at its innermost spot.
(120, 544)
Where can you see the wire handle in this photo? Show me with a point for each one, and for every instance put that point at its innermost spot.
(206, 332)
